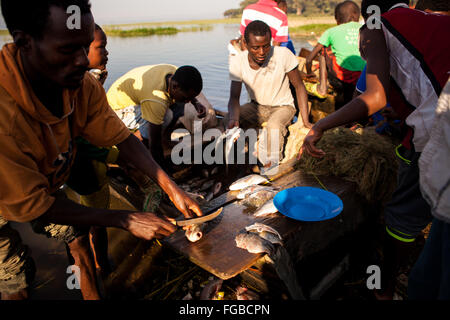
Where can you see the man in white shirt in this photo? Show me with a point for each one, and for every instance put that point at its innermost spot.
(266, 72)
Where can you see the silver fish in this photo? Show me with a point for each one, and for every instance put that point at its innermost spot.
(215, 171)
(272, 238)
(253, 243)
(194, 180)
(209, 196)
(247, 181)
(267, 209)
(217, 187)
(231, 136)
(261, 227)
(257, 199)
(250, 190)
(185, 187)
(198, 183)
(205, 173)
(194, 232)
(206, 185)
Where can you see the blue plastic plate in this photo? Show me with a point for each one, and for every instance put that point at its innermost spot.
(308, 204)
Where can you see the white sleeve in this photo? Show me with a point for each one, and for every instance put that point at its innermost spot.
(235, 67)
(291, 61)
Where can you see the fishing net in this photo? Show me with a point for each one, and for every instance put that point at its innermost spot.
(360, 156)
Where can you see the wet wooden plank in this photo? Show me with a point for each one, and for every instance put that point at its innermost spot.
(217, 253)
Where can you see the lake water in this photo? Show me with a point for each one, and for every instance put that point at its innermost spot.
(206, 50)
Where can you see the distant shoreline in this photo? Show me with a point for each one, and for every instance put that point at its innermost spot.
(294, 21)
(299, 26)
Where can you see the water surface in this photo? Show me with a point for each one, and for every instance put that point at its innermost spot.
(206, 50)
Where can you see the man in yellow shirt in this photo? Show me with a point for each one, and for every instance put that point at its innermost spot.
(150, 100)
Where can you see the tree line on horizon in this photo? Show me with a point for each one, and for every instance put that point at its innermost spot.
(297, 7)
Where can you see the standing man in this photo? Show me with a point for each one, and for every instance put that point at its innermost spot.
(408, 63)
(266, 72)
(47, 99)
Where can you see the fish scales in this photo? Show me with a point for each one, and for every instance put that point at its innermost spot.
(247, 181)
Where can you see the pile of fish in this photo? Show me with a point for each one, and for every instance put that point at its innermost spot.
(255, 195)
(203, 188)
(259, 238)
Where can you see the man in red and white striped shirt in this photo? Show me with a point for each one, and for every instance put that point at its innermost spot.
(268, 12)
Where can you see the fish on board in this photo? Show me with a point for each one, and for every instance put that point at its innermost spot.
(253, 189)
(258, 198)
(216, 189)
(261, 227)
(194, 232)
(247, 181)
(185, 187)
(205, 173)
(267, 209)
(194, 180)
(209, 196)
(198, 183)
(272, 238)
(208, 184)
(253, 243)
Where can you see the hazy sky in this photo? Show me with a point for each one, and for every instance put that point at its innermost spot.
(123, 11)
(116, 11)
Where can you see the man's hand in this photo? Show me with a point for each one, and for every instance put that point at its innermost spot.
(390, 114)
(188, 207)
(232, 124)
(146, 225)
(311, 76)
(308, 125)
(309, 144)
(201, 109)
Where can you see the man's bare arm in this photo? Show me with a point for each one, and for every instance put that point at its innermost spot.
(143, 225)
(234, 104)
(311, 57)
(302, 97)
(323, 78)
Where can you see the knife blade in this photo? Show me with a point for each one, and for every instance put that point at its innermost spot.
(203, 219)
